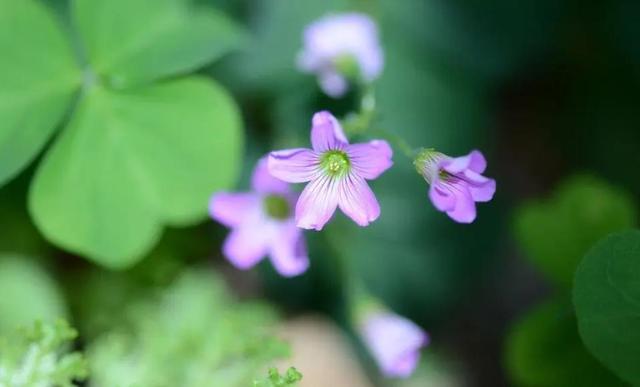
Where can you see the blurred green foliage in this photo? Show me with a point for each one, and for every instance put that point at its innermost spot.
(607, 301)
(545, 350)
(39, 356)
(28, 293)
(35, 94)
(556, 233)
(175, 38)
(289, 379)
(191, 334)
(134, 156)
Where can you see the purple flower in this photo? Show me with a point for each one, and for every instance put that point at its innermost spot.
(262, 224)
(336, 171)
(394, 342)
(456, 183)
(341, 47)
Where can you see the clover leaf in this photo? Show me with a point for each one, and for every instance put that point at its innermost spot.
(606, 296)
(138, 151)
(557, 233)
(129, 162)
(545, 350)
(34, 93)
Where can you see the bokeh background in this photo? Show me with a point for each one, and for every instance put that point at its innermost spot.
(547, 89)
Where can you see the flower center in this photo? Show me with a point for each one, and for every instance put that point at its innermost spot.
(348, 66)
(335, 162)
(277, 207)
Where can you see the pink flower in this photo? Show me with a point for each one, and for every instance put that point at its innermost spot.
(394, 342)
(337, 47)
(456, 183)
(336, 172)
(261, 224)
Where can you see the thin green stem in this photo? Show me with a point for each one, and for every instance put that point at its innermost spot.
(397, 141)
(360, 122)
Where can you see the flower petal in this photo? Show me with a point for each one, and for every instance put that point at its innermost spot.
(231, 209)
(441, 197)
(317, 203)
(262, 181)
(357, 201)
(465, 209)
(326, 132)
(333, 84)
(293, 165)
(246, 245)
(474, 161)
(370, 159)
(484, 192)
(394, 342)
(477, 162)
(289, 251)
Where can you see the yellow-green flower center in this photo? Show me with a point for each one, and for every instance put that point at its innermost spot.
(277, 207)
(335, 162)
(348, 66)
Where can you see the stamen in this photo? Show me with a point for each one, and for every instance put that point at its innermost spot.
(335, 162)
(277, 207)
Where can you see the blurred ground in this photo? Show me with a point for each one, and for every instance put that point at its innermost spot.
(322, 353)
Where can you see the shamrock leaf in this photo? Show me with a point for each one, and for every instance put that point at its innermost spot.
(132, 42)
(556, 234)
(34, 93)
(135, 155)
(545, 350)
(606, 296)
(131, 161)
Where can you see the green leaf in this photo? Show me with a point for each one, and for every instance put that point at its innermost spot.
(544, 350)
(607, 301)
(557, 233)
(289, 379)
(39, 356)
(28, 293)
(131, 162)
(38, 77)
(192, 334)
(136, 41)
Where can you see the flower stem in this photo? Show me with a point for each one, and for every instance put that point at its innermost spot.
(398, 142)
(360, 122)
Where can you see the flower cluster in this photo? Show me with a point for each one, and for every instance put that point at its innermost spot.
(336, 171)
(268, 221)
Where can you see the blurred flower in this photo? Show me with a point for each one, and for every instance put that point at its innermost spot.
(456, 182)
(394, 342)
(262, 224)
(336, 171)
(339, 48)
